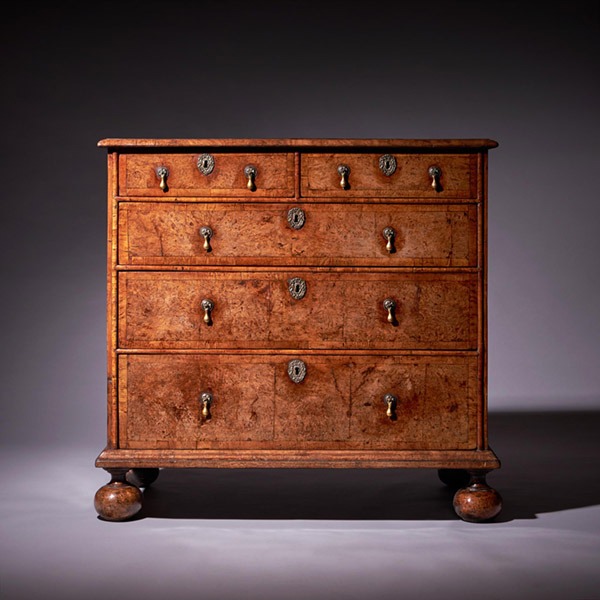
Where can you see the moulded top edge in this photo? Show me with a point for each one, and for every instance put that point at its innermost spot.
(292, 143)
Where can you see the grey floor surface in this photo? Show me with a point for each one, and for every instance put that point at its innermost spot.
(312, 534)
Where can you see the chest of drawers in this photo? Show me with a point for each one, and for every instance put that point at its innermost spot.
(297, 303)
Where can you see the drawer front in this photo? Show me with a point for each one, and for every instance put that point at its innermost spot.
(457, 176)
(434, 403)
(139, 175)
(298, 310)
(152, 233)
(340, 403)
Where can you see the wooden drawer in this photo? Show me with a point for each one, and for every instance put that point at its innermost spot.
(139, 175)
(152, 233)
(459, 176)
(338, 310)
(338, 405)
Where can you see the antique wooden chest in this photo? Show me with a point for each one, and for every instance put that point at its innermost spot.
(297, 303)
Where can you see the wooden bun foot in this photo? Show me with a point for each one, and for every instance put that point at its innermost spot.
(142, 477)
(477, 502)
(118, 500)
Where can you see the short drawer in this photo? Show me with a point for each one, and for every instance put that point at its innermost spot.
(153, 233)
(239, 401)
(298, 309)
(415, 177)
(194, 174)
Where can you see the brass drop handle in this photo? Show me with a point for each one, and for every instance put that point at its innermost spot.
(389, 234)
(390, 306)
(250, 172)
(435, 173)
(344, 172)
(208, 306)
(391, 401)
(162, 173)
(206, 233)
(207, 399)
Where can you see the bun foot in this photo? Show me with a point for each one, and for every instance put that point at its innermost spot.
(118, 500)
(454, 478)
(477, 502)
(142, 477)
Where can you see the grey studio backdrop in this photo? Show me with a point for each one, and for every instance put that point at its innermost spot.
(521, 73)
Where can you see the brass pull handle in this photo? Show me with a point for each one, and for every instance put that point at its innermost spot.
(435, 173)
(344, 172)
(390, 306)
(391, 401)
(250, 172)
(389, 234)
(208, 306)
(162, 173)
(206, 233)
(207, 399)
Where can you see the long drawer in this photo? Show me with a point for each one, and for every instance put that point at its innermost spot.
(328, 310)
(219, 234)
(195, 401)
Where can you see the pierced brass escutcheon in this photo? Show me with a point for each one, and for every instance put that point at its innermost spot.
(391, 401)
(162, 173)
(250, 172)
(387, 165)
(206, 233)
(296, 370)
(207, 399)
(390, 235)
(390, 306)
(344, 172)
(296, 218)
(208, 306)
(297, 288)
(435, 173)
(206, 164)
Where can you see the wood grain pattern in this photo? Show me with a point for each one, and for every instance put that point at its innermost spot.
(320, 177)
(152, 233)
(339, 310)
(439, 145)
(111, 301)
(137, 175)
(301, 459)
(256, 405)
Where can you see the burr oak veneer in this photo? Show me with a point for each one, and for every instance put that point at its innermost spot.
(297, 303)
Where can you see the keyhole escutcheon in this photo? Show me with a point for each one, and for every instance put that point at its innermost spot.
(296, 218)
(297, 288)
(296, 370)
